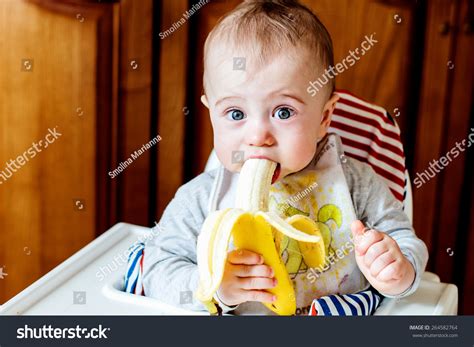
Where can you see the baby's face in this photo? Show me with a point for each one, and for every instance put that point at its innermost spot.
(267, 114)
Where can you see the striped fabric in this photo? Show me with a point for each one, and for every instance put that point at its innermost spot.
(134, 271)
(363, 303)
(369, 134)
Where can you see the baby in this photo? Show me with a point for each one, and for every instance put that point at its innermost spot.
(258, 61)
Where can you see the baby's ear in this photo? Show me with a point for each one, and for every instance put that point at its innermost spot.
(204, 100)
(328, 109)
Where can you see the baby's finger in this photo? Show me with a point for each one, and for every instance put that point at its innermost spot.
(374, 251)
(259, 295)
(252, 271)
(390, 272)
(362, 243)
(381, 263)
(257, 283)
(357, 228)
(243, 256)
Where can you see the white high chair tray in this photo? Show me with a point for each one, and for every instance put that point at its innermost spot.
(53, 293)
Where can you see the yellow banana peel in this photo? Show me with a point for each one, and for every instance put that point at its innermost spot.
(254, 228)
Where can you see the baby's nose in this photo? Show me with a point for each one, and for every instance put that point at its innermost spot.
(260, 136)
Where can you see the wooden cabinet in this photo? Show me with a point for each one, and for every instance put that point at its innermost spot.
(83, 68)
(57, 73)
(445, 126)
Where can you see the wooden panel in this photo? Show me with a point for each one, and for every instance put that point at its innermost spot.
(49, 81)
(200, 122)
(452, 212)
(466, 270)
(106, 112)
(464, 267)
(382, 75)
(171, 115)
(135, 109)
(431, 123)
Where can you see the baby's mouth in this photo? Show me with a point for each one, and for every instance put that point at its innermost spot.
(276, 174)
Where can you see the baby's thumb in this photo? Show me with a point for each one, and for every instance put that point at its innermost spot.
(357, 228)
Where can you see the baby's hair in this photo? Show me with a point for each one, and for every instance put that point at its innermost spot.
(264, 28)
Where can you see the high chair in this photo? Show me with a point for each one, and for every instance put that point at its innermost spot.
(91, 281)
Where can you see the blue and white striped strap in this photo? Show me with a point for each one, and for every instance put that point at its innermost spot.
(134, 271)
(363, 303)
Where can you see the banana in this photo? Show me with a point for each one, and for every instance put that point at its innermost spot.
(314, 253)
(254, 228)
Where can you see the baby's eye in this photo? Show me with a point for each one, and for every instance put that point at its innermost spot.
(236, 114)
(284, 113)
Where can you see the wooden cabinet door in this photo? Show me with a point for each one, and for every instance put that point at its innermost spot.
(444, 166)
(54, 196)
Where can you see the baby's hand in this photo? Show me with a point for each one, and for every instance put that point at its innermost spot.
(381, 260)
(245, 278)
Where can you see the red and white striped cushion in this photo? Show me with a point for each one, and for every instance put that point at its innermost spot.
(371, 135)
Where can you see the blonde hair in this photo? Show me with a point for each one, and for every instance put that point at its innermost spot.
(263, 28)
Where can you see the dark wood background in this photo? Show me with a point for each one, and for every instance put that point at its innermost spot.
(103, 75)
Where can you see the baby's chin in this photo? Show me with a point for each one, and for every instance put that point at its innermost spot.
(284, 172)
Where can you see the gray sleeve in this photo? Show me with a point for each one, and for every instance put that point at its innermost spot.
(170, 272)
(376, 207)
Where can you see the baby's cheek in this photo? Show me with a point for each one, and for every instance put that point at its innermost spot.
(228, 156)
(298, 155)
